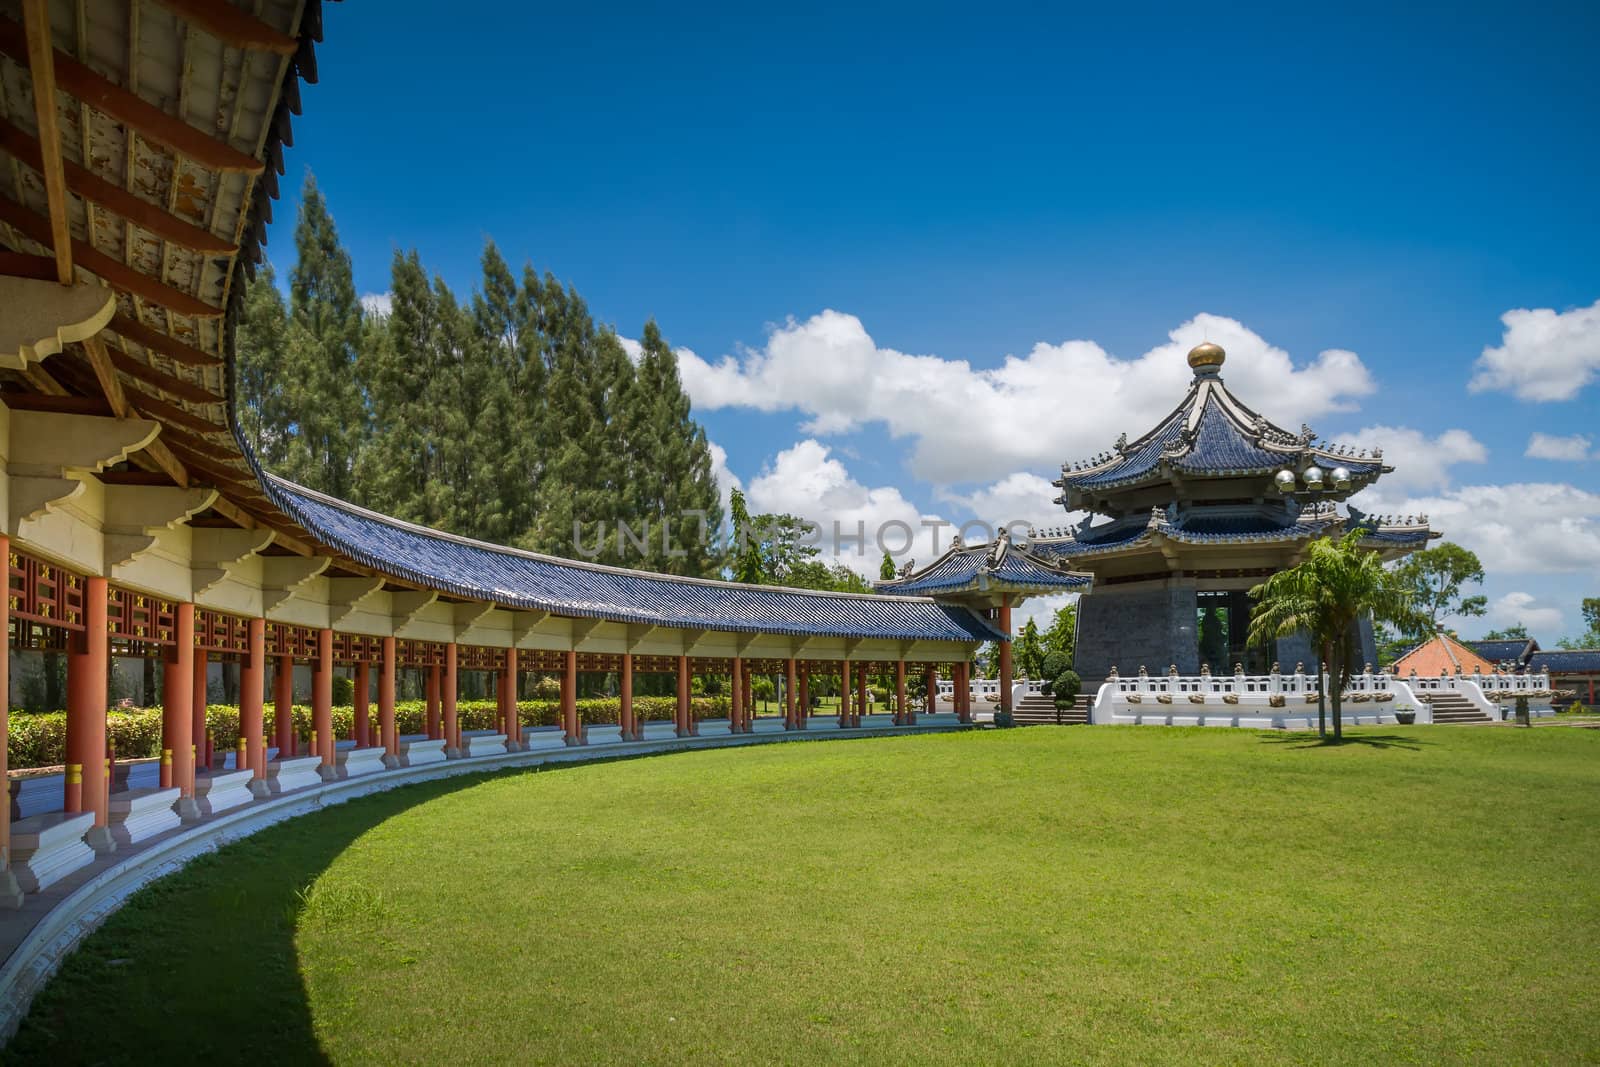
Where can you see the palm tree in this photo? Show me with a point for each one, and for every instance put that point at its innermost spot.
(1324, 597)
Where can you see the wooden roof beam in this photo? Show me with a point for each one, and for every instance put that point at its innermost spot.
(231, 26)
(41, 64)
(106, 374)
(160, 379)
(131, 110)
(113, 271)
(113, 198)
(168, 346)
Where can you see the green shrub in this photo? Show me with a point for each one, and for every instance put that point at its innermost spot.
(39, 739)
(1065, 688)
(1054, 663)
(344, 691)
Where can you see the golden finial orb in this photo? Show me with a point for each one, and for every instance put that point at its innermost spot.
(1206, 356)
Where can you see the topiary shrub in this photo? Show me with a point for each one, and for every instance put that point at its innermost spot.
(344, 691)
(1065, 687)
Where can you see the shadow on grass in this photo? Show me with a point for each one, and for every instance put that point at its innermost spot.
(202, 964)
(1307, 740)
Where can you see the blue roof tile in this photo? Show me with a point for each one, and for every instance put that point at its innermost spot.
(524, 580)
(962, 569)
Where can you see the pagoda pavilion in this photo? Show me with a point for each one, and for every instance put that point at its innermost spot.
(1183, 521)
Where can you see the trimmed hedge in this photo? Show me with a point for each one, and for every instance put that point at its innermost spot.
(39, 739)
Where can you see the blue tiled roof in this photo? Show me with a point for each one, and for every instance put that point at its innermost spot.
(543, 583)
(1501, 651)
(1566, 661)
(976, 568)
(1219, 446)
(1228, 439)
(1202, 528)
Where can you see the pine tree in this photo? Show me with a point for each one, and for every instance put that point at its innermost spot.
(672, 477)
(395, 365)
(320, 354)
(265, 415)
(886, 569)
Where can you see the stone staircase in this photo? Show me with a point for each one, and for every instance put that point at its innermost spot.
(1453, 708)
(1038, 710)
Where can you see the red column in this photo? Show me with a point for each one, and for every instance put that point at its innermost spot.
(737, 713)
(631, 731)
(431, 688)
(252, 687)
(88, 657)
(514, 716)
(10, 894)
(322, 698)
(177, 703)
(569, 698)
(861, 696)
(844, 694)
(361, 699)
(386, 729)
(197, 696)
(452, 739)
(805, 696)
(901, 709)
(791, 714)
(1005, 653)
(685, 714)
(749, 694)
(283, 706)
(930, 685)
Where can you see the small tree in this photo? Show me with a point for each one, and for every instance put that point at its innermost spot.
(1030, 652)
(886, 569)
(1325, 596)
(1065, 688)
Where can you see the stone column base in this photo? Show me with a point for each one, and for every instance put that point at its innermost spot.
(99, 838)
(10, 891)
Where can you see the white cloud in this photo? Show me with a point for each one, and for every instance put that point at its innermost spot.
(1420, 462)
(727, 481)
(1547, 446)
(1059, 402)
(1522, 528)
(1517, 607)
(377, 304)
(858, 522)
(631, 346)
(1543, 354)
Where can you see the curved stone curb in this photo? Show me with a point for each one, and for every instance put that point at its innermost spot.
(40, 953)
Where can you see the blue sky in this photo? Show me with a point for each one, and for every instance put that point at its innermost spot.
(814, 194)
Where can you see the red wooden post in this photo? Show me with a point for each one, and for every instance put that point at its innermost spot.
(88, 659)
(569, 698)
(197, 697)
(283, 706)
(515, 715)
(805, 696)
(791, 714)
(177, 703)
(861, 696)
(844, 694)
(737, 713)
(631, 729)
(386, 726)
(1005, 654)
(685, 713)
(10, 895)
(452, 735)
(361, 701)
(901, 709)
(431, 689)
(322, 698)
(252, 689)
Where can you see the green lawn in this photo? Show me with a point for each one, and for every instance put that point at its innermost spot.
(1116, 894)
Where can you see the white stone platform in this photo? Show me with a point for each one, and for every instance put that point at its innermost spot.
(223, 790)
(298, 772)
(354, 762)
(418, 750)
(483, 743)
(137, 814)
(46, 848)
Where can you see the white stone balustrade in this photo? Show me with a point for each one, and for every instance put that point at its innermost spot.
(416, 750)
(285, 775)
(354, 762)
(139, 814)
(46, 848)
(223, 790)
(483, 743)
